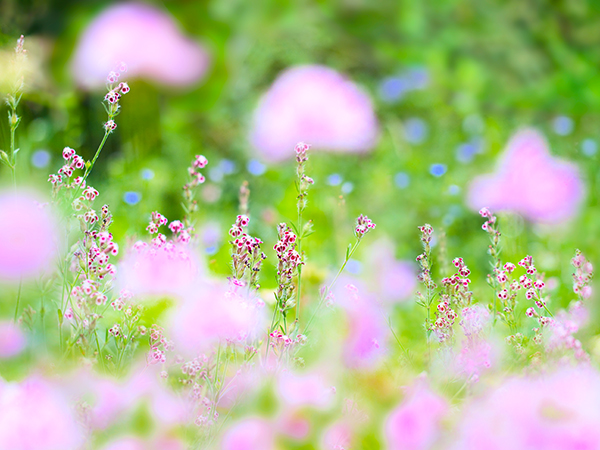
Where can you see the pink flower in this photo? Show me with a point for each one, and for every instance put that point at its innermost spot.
(307, 389)
(367, 328)
(28, 236)
(12, 340)
(133, 443)
(249, 434)
(531, 182)
(415, 424)
(338, 436)
(551, 412)
(146, 39)
(217, 312)
(33, 416)
(154, 270)
(313, 104)
(393, 280)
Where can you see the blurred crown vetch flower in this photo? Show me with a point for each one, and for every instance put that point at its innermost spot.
(28, 236)
(147, 39)
(315, 104)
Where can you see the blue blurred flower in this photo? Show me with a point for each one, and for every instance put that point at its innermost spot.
(563, 125)
(415, 130)
(589, 147)
(335, 179)
(40, 158)
(132, 198)
(147, 174)
(437, 170)
(256, 168)
(401, 180)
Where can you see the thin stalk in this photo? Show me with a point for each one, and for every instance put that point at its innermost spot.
(18, 299)
(89, 168)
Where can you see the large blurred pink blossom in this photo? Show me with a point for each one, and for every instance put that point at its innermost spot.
(34, 416)
(12, 340)
(559, 411)
(367, 328)
(155, 270)
(394, 280)
(218, 312)
(313, 104)
(305, 389)
(146, 39)
(249, 434)
(133, 443)
(28, 236)
(476, 352)
(530, 182)
(415, 424)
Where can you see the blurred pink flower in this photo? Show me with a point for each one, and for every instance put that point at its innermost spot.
(28, 236)
(338, 436)
(151, 270)
(531, 182)
(313, 104)
(415, 424)
(12, 340)
(146, 39)
(393, 280)
(293, 425)
(249, 434)
(552, 412)
(305, 389)
(476, 352)
(217, 312)
(33, 416)
(367, 328)
(133, 443)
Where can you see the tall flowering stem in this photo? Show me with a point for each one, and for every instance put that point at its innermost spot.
(111, 105)
(190, 205)
(424, 260)
(246, 255)
(363, 226)
(491, 227)
(303, 230)
(12, 100)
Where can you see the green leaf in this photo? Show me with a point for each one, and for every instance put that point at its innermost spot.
(60, 316)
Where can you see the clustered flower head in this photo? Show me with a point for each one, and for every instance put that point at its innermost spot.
(159, 346)
(246, 254)
(114, 94)
(584, 271)
(63, 178)
(363, 226)
(304, 181)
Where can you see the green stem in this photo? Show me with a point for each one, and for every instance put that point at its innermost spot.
(18, 299)
(89, 168)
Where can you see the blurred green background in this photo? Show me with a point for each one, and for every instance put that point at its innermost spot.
(490, 67)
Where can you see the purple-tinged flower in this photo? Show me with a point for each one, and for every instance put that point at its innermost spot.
(530, 182)
(314, 104)
(415, 424)
(249, 434)
(146, 39)
(28, 236)
(12, 340)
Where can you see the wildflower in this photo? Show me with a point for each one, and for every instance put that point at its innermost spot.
(144, 36)
(363, 226)
(312, 103)
(531, 182)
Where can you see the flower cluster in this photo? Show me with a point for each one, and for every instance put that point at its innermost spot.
(196, 178)
(159, 346)
(304, 181)
(457, 285)
(475, 354)
(112, 97)
(424, 261)
(442, 326)
(279, 339)
(63, 178)
(156, 220)
(289, 260)
(246, 254)
(584, 271)
(363, 226)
